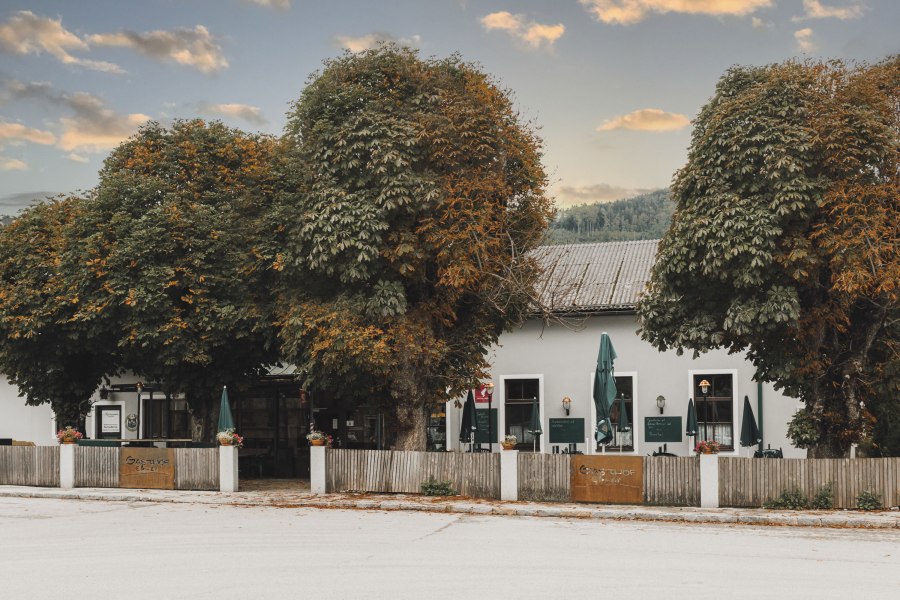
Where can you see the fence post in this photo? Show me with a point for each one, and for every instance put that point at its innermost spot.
(228, 469)
(709, 481)
(317, 469)
(67, 466)
(509, 475)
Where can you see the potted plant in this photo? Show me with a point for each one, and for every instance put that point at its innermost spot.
(707, 447)
(68, 435)
(509, 442)
(317, 438)
(230, 438)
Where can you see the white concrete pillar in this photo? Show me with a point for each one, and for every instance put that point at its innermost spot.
(709, 481)
(228, 469)
(317, 469)
(67, 466)
(509, 475)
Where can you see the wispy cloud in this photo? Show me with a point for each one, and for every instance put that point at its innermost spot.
(647, 119)
(626, 12)
(806, 42)
(282, 4)
(195, 47)
(77, 158)
(16, 132)
(760, 24)
(28, 33)
(520, 28)
(598, 192)
(814, 9)
(12, 164)
(251, 114)
(370, 40)
(90, 126)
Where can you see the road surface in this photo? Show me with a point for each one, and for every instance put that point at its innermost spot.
(120, 550)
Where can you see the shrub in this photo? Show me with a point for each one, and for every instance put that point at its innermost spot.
(789, 500)
(868, 501)
(433, 487)
(824, 498)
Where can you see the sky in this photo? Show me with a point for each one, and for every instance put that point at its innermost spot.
(612, 85)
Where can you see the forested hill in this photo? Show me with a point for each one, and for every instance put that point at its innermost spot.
(644, 217)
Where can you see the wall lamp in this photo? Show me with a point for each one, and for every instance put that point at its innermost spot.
(704, 388)
(567, 404)
(661, 403)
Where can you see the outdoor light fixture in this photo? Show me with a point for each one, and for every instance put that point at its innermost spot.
(567, 404)
(104, 392)
(704, 387)
(661, 403)
(139, 387)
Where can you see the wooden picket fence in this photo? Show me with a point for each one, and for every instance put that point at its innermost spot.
(29, 465)
(197, 468)
(751, 482)
(96, 467)
(544, 477)
(672, 480)
(474, 475)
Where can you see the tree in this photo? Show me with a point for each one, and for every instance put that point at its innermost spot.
(414, 194)
(172, 241)
(784, 243)
(53, 350)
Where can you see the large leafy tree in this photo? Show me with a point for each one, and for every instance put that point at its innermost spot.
(172, 244)
(785, 240)
(414, 192)
(53, 348)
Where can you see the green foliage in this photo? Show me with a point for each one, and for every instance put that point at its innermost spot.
(783, 243)
(432, 487)
(644, 217)
(802, 430)
(868, 500)
(788, 500)
(824, 498)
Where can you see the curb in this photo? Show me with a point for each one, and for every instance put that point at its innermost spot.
(717, 517)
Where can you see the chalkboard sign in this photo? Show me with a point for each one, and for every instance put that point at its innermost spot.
(662, 429)
(567, 431)
(481, 436)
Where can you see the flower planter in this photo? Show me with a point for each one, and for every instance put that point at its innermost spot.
(67, 442)
(507, 446)
(317, 442)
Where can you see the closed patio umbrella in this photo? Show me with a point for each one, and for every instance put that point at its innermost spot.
(469, 424)
(622, 425)
(690, 429)
(749, 431)
(604, 389)
(226, 421)
(534, 423)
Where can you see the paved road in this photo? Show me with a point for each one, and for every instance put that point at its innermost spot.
(171, 551)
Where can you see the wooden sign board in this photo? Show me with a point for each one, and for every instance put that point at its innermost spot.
(147, 468)
(567, 431)
(608, 479)
(662, 429)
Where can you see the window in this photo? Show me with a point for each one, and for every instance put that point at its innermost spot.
(520, 399)
(715, 410)
(624, 440)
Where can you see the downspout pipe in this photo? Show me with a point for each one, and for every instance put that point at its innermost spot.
(759, 412)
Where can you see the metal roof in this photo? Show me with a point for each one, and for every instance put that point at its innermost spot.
(599, 277)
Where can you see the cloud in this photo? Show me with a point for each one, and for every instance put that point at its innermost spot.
(282, 4)
(529, 32)
(12, 203)
(190, 47)
(12, 164)
(647, 119)
(626, 12)
(27, 33)
(813, 9)
(16, 132)
(598, 192)
(77, 158)
(760, 24)
(251, 114)
(805, 41)
(371, 40)
(91, 126)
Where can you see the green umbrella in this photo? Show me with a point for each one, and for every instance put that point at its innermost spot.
(623, 425)
(535, 422)
(604, 389)
(749, 431)
(690, 429)
(469, 424)
(226, 421)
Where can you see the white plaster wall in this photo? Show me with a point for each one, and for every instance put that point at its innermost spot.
(566, 360)
(21, 422)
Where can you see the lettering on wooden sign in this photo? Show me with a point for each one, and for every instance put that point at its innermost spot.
(147, 468)
(608, 479)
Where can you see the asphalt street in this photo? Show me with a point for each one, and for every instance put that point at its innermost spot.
(99, 550)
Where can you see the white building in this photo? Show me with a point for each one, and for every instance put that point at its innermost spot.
(596, 286)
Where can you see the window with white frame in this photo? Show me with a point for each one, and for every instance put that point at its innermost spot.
(521, 395)
(715, 407)
(622, 440)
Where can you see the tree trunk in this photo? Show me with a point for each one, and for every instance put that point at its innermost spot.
(410, 422)
(205, 416)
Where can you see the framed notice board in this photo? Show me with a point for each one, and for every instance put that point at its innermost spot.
(662, 429)
(567, 431)
(481, 416)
